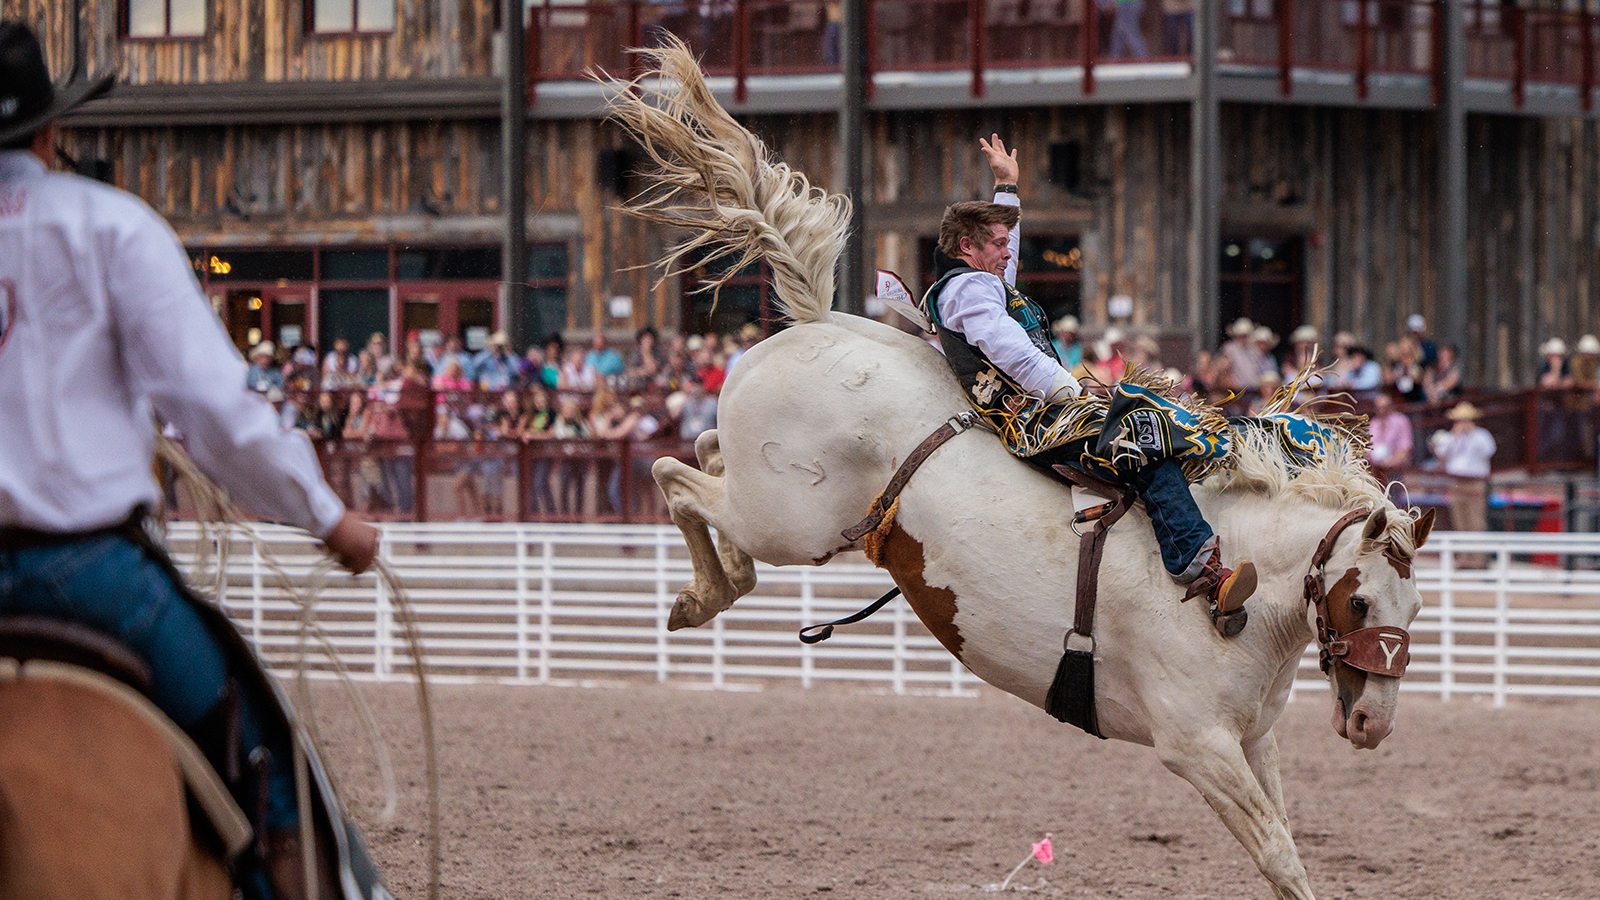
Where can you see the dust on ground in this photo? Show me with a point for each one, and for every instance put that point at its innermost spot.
(660, 792)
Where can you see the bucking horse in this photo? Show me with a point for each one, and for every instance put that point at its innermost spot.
(815, 421)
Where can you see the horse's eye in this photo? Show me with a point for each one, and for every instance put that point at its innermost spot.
(1360, 606)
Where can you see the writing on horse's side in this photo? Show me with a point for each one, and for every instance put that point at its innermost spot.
(815, 421)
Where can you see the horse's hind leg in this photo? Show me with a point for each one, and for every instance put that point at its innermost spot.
(1218, 769)
(696, 499)
(738, 565)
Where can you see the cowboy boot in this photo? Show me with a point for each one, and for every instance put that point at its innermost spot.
(1225, 591)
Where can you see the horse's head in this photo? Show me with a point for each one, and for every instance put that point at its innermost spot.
(1371, 600)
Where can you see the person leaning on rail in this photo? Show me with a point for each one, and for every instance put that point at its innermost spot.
(101, 323)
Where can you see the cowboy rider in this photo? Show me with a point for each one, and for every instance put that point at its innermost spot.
(998, 343)
(101, 323)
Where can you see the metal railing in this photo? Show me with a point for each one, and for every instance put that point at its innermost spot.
(562, 604)
(1367, 38)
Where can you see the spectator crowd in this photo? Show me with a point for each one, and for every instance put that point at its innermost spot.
(665, 388)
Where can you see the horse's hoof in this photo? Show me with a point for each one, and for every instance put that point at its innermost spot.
(1230, 624)
(688, 612)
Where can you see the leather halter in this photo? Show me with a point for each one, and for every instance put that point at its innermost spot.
(1384, 650)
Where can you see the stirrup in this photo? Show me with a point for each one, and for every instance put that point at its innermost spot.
(1225, 591)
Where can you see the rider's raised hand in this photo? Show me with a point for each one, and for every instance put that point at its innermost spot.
(1003, 164)
(353, 543)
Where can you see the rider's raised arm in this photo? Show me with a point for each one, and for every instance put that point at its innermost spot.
(1004, 166)
(1014, 237)
(176, 353)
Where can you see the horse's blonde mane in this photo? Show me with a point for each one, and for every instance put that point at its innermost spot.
(719, 182)
(1338, 480)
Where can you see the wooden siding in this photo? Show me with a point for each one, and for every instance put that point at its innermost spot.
(266, 40)
(1358, 187)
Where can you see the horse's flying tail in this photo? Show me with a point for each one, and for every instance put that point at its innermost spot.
(716, 180)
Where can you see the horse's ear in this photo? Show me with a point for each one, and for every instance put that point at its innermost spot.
(1422, 527)
(1377, 524)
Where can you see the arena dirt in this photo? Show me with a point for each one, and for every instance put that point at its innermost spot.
(662, 792)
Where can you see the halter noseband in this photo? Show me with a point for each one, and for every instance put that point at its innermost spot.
(1385, 650)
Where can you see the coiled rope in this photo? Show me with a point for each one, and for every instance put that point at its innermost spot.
(213, 507)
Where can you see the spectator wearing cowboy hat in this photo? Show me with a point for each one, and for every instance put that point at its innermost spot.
(1418, 327)
(1245, 360)
(264, 375)
(1069, 346)
(1464, 453)
(1553, 371)
(1586, 363)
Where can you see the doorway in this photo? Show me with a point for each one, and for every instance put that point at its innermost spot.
(1262, 279)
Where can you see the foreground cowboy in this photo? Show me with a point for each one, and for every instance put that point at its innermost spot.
(999, 345)
(101, 322)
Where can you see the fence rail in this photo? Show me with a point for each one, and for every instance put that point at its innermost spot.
(573, 604)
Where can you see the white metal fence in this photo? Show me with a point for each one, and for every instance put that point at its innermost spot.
(567, 604)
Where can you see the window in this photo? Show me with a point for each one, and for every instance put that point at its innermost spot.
(544, 310)
(164, 18)
(349, 16)
(745, 297)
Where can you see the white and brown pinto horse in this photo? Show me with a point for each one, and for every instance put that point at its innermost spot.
(813, 423)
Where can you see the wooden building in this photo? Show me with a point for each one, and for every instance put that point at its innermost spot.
(336, 166)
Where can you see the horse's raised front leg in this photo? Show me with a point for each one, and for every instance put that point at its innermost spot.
(1215, 764)
(696, 499)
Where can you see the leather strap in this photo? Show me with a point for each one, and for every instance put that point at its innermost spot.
(880, 507)
(1092, 544)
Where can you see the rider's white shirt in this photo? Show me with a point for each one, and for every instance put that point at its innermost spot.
(101, 323)
(974, 305)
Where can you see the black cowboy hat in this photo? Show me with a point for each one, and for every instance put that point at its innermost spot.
(28, 99)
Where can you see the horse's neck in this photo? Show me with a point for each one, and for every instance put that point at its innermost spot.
(1279, 536)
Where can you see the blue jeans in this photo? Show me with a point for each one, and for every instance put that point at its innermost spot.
(1180, 528)
(109, 583)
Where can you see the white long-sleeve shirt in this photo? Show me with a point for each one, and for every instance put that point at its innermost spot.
(101, 322)
(1467, 455)
(974, 306)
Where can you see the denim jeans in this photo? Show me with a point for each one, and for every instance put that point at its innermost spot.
(110, 584)
(1180, 528)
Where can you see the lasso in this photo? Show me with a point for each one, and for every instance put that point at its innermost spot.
(214, 507)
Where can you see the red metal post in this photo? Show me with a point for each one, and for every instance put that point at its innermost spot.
(419, 480)
(1519, 40)
(1091, 43)
(1363, 40)
(741, 49)
(975, 16)
(872, 49)
(524, 481)
(1286, 47)
(532, 45)
(626, 463)
(1587, 19)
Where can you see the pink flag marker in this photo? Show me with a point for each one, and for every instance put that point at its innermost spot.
(1042, 852)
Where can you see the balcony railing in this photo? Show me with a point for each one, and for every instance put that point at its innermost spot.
(1365, 38)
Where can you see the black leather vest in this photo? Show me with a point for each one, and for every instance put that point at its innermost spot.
(983, 381)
